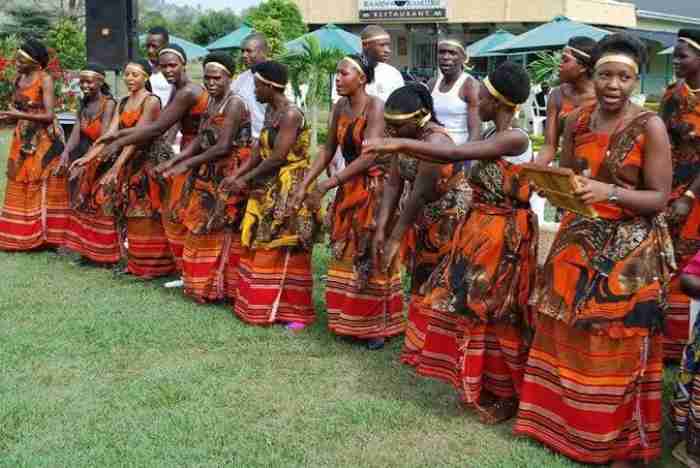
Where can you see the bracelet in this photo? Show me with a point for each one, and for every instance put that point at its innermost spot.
(690, 194)
(613, 196)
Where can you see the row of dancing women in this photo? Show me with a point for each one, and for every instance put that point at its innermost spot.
(573, 351)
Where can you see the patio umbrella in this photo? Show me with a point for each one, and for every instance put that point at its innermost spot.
(232, 40)
(329, 37)
(551, 35)
(483, 46)
(192, 50)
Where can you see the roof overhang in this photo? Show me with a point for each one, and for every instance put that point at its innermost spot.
(646, 14)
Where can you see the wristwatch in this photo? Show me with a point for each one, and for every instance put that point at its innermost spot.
(613, 196)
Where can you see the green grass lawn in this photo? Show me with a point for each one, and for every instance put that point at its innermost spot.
(104, 371)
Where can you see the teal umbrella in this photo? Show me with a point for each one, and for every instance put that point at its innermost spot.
(192, 50)
(550, 36)
(482, 47)
(329, 37)
(232, 40)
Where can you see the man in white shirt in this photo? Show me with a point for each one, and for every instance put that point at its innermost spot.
(157, 38)
(376, 44)
(254, 50)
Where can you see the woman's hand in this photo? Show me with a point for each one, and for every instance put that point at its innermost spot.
(680, 209)
(175, 170)
(378, 244)
(232, 185)
(592, 191)
(296, 201)
(80, 162)
(111, 176)
(376, 147)
(161, 168)
(63, 164)
(315, 197)
(107, 137)
(391, 249)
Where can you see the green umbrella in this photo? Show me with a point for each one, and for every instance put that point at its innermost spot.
(551, 35)
(192, 50)
(231, 40)
(329, 37)
(482, 47)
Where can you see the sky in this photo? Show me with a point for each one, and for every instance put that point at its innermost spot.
(236, 5)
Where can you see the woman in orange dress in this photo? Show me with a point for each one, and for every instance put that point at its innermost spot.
(127, 191)
(482, 286)
(213, 243)
(680, 110)
(431, 201)
(576, 90)
(35, 210)
(275, 283)
(361, 301)
(593, 381)
(187, 105)
(90, 232)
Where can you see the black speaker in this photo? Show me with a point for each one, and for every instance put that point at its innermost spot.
(110, 31)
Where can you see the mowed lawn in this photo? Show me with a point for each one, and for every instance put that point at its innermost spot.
(97, 370)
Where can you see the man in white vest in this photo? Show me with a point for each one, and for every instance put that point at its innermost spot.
(254, 50)
(157, 38)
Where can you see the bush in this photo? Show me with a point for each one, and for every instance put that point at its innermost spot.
(69, 43)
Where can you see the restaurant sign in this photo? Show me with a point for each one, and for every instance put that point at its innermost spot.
(375, 10)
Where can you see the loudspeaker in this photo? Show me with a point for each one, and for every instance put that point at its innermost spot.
(110, 32)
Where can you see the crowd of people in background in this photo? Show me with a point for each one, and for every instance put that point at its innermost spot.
(213, 185)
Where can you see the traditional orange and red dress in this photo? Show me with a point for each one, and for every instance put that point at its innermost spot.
(213, 243)
(478, 296)
(35, 210)
(593, 380)
(275, 283)
(361, 302)
(136, 203)
(680, 110)
(91, 232)
(176, 199)
(425, 244)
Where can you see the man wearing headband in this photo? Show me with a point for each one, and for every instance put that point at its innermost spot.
(157, 38)
(455, 93)
(254, 51)
(593, 383)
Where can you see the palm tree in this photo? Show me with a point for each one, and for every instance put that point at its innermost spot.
(314, 67)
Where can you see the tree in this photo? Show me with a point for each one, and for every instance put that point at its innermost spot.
(314, 67)
(213, 25)
(26, 21)
(69, 43)
(284, 11)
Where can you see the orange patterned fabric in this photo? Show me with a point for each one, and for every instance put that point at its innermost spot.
(680, 110)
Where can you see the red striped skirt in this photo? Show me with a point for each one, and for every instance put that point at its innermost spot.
(275, 286)
(175, 230)
(676, 321)
(376, 311)
(416, 328)
(34, 214)
(94, 237)
(210, 265)
(149, 253)
(590, 397)
(440, 357)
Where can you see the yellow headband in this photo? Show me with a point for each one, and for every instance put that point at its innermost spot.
(92, 74)
(618, 58)
(135, 67)
(690, 42)
(399, 117)
(577, 52)
(495, 93)
(174, 52)
(220, 66)
(354, 64)
(378, 37)
(27, 56)
(269, 82)
(454, 44)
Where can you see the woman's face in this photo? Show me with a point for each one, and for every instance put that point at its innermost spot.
(90, 85)
(134, 78)
(24, 64)
(348, 79)
(570, 69)
(171, 66)
(686, 60)
(217, 81)
(263, 91)
(488, 105)
(614, 84)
